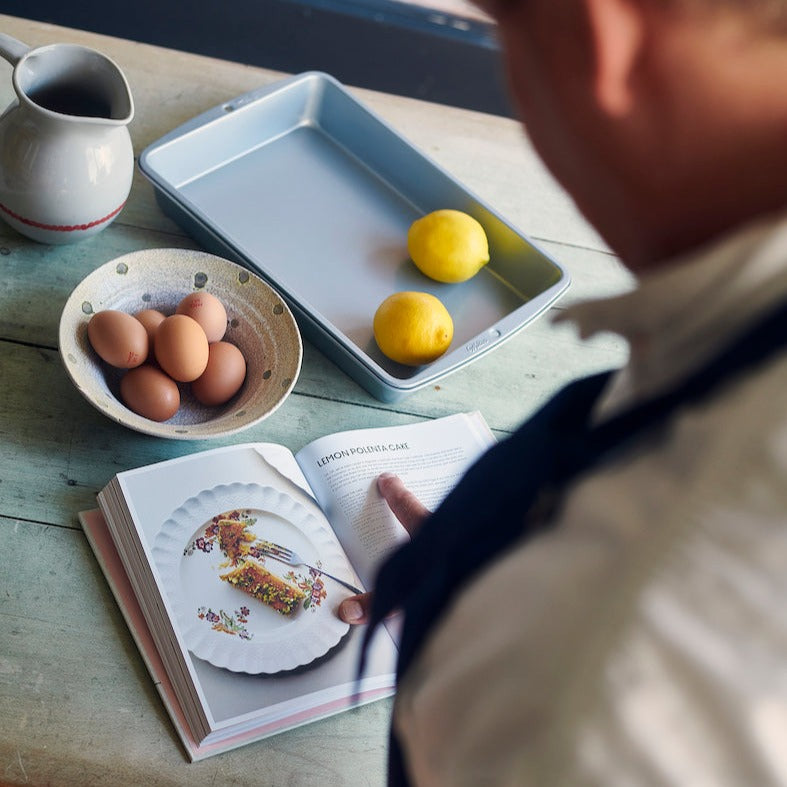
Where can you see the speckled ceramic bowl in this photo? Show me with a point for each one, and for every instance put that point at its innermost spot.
(259, 323)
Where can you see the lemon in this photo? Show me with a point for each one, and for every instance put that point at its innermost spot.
(413, 328)
(448, 245)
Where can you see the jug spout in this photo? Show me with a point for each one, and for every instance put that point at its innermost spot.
(75, 82)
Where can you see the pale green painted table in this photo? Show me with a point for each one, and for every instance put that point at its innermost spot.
(76, 703)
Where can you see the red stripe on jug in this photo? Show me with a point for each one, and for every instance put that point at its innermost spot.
(60, 227)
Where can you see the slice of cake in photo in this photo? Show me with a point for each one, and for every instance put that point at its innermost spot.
(253, 578)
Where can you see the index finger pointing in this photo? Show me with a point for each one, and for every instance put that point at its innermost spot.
(406, 507)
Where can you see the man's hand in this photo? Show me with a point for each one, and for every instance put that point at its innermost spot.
(410, 512)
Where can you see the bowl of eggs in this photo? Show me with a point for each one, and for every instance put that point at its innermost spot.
(180, 344)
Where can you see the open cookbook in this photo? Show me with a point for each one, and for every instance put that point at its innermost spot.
(241, 644)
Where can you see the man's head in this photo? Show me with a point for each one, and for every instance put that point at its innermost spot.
(666, 120)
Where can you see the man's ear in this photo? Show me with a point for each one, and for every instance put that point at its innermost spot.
(617, 28)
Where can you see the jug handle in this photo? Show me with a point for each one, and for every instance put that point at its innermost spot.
(11, 49)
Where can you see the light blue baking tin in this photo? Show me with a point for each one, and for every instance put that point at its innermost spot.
(305, 186)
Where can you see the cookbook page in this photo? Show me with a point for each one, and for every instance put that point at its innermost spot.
(248, 663)
(342, 469)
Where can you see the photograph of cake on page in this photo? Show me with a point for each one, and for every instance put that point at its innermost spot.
(228, 565)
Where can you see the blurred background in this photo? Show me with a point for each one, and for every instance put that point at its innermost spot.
(438, 50)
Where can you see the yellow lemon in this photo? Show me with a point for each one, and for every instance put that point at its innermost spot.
(413, 328)
(448, 245)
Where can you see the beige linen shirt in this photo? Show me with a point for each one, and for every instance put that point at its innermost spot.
(643, 640)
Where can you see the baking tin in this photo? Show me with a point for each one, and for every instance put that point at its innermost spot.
(311, 190)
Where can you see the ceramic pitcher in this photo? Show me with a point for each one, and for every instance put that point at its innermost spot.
(66, 161)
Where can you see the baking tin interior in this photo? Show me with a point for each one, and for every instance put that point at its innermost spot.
(305, 185)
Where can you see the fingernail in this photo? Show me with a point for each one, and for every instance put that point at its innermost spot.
(384, 478)
(351, 610)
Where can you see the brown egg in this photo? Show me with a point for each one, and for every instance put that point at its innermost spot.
(208, 311)
(150, 393)
(181, 348)
(223, 376)
(151, 319)
(118, 338)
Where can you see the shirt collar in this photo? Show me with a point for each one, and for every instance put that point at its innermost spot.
(685, 310)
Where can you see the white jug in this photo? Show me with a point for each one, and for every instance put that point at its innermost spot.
(66, 160)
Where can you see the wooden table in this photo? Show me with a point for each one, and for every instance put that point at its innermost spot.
(76, 703)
